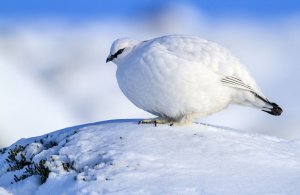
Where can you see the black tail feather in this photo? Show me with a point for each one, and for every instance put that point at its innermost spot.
(275, 110)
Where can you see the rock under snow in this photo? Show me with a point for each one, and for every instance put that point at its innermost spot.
(122, 157)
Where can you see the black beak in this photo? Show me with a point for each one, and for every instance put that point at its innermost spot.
(109, 58)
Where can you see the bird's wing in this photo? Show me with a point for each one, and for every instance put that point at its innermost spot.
(232, 81)
(212, 55)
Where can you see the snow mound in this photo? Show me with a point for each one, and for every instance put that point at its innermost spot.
(122, 157)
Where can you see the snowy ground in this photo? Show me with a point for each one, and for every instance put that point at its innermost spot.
(121, 157)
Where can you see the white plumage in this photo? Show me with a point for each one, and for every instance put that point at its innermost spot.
(179, 78)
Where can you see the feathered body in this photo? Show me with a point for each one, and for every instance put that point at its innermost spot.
(180, 77)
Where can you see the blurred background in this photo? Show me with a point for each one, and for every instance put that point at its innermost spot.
(52, 59)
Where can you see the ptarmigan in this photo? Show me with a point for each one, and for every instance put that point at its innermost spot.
(179, 78)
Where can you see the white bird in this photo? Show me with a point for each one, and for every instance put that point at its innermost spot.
(179, 78)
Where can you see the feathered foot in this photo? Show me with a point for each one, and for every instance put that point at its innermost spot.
(156, 121)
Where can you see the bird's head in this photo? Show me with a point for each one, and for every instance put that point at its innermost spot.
(120, 48)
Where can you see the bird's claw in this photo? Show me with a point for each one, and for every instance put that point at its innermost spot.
(148, 121)
(155, 122)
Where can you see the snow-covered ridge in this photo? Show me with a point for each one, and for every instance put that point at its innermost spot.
(122, 157)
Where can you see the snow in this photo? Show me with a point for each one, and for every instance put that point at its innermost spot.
(122, 157)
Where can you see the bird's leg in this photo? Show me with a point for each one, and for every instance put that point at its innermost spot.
(155, 121)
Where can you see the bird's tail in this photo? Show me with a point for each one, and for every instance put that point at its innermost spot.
(275, 110)
(271, 107)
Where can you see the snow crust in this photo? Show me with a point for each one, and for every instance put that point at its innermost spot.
(122, 157)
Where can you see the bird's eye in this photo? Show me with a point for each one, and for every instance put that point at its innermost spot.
(113, 56)
(119, 52)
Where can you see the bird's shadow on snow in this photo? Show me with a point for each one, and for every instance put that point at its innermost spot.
(217, 126)
(136, 121)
